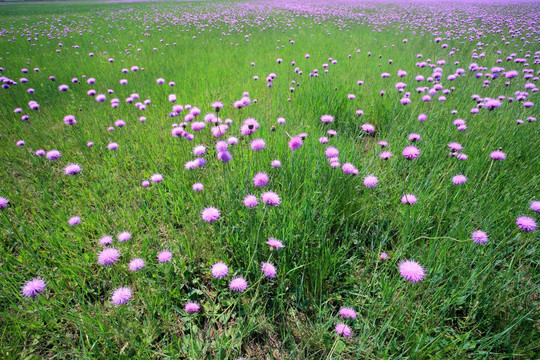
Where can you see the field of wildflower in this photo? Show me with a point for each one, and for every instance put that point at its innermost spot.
(270, 180)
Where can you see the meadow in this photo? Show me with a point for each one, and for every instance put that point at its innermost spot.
(270, 180)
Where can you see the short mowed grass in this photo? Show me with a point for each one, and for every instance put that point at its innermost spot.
(476, 301)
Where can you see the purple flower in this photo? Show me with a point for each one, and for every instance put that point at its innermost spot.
(156, 178)
(112, 146)
(368, 128)
(72, 169)
(342, 329)
(349, 169)
(258, 144)
(497, 155)
(198, 187)
(121, 296)
(75, 220)
(3, 202)
(219, 270)
(384, 255)
(260, 179)
(408, 199)
(136, 264)
(295, 143)
(385, 155)
(238, 284)
(535, 206)
(347, 313)
(108, 256)
(276, 164)
(33, 287)
(459, 179)
(192, 307)
(327, 118)
(411, 152)
(210, 214)
(271, 198)
(105, 240)
(526, 224)
(479, 237)
(53, 154)
(124, 236)
(268, 269)
(370, 181)
(274, 243)
(164, 256)
(250, 201)
(70, 120)
(412, 271)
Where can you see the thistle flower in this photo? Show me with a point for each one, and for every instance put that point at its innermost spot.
(238, 284)
(124, 236)
(108, 256)
(210, 214)
(347, 313)
(121, 296)
(271, 198)
(370, 181)
(411, 152)
(269, 270)
(192, 307)
(459, 179)
(274, 243)
(479, 237)
(526, 224)
(136, 264)
(72, 169)
(250, 201)
(342, 329)
(260, 179)
(412, 271)
(164, 256)
(219, 270)
(408, 199)
(3, 202)
(33, 287)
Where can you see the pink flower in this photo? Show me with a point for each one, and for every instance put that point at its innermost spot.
(412, 271)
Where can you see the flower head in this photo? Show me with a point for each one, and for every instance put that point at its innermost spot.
(33, 287)
(238, 284)
(271, 198)
(459, 179)
(121, 296)
(275, 243)
(347, 313)
(210, 214)
(411, 152)
(250, 201)
(370, 181)
(192, 307)
(72, 169)
(3, 202)
(108, 256)
(124, 236)
(479, 237)
(164, 256)
(260, 179)
(412, 271)
(526, 224)
(269, 270)
(136, 264)
(342, 329)
(408, 199)
(219, 270)
(498, 155)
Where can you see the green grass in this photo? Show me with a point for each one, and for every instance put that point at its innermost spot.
(476, 302)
